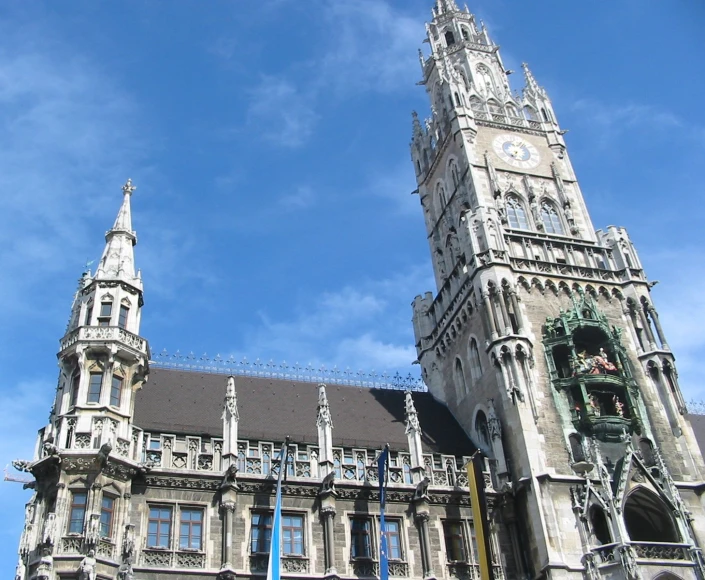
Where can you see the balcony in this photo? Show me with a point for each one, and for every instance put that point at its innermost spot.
(102, 334)
(658, 551)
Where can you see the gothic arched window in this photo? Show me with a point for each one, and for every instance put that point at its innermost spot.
(454, 175)
(516, 215)
(465, 33)
(551, 221)
(648, 518)
(482, 430)
(494, 106)
(461, 387)
(450, 39)
(475, 103)
(475, 366)
(441, 195)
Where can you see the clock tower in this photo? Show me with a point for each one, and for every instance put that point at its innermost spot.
(542, 337)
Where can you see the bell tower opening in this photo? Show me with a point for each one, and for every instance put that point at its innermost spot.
(648, 518)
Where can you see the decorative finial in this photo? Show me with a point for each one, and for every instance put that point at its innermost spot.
(128, 188)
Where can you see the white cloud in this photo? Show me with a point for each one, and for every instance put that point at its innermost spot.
(280, 112)
(373, 48)
(367, 327)
(301, 198)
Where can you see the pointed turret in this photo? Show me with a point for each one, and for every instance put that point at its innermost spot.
(413, 434)
(532, 87)
(445, 6)
(118, 260)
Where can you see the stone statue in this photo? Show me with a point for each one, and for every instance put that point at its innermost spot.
(328, 483)
(595, 405)
(87, 567)
(49, 534)
(229, 477)
(422, 488)
(125, 571)
(46, 565)
(324, 416)
(618, 406)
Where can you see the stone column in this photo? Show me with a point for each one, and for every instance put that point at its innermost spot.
(517, 312)
(228, 503)
(647, 329)
(421, 516)
(505, 315)
(327, 513)
(659, 330)
(490, 315)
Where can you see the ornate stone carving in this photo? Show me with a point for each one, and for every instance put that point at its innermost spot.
(87, 567)
(412, 418)
(190, 560)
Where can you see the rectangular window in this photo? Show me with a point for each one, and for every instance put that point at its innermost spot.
(94, 387)
(293, 535)
(106, 311)
(393, 529)
(191, 529)
(78, 512)
(455, 541)
(159, 527)
(122, 318)
(75, 384)
(261, 533)
(107, 507)
(115, 391)
(155, 442)
(360, 538)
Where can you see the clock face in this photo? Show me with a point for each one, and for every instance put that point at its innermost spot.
(516, 151)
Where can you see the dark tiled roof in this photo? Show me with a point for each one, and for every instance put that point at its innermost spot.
(698, 423)
(270, 409)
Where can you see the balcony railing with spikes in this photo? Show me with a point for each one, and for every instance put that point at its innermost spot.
(283, 370)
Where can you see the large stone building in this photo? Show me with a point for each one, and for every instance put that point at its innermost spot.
(541, 347)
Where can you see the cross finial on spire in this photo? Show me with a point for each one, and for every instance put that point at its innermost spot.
(128, 188)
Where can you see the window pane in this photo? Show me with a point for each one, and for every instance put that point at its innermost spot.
(94, 387)
(106, 517)
(360, 540)
(78, 512)
(115, 391)
(393, 540)
(122, 319)
(159, 527)
(455, 541)
(106, 309)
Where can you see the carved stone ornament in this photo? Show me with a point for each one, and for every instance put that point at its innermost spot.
(87, 567)
(324, 416)
(412, 418)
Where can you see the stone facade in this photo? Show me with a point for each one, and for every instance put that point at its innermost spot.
(545, 326)
(541, 348)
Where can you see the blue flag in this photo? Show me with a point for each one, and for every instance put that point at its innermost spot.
(383, 554)
(274, 566)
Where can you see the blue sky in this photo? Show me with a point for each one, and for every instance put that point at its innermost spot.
(269, 144)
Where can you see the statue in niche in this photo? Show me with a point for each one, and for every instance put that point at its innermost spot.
(125, 571)
(618, 406)
(599, 364)
(595, 406)
(87, 567)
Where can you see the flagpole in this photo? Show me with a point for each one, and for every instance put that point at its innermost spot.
(382, 463)
(478, 500)
(274, 565)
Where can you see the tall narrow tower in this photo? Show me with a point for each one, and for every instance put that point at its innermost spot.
(89, 452)
(548, 323)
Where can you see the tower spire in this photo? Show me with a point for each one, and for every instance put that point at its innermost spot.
(444, 6)
(531, 85)
(118, 260)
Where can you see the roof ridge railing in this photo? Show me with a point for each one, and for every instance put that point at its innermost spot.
(696, 407)
(293, 372)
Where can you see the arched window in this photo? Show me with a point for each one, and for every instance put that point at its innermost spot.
(441, 195)
(576, 448)
(494, 106)
(465, 33)
(475, 366)
(475, 103)
(551, 222)
(450, 39)
(485, 78)
(600, 527)
(461, 387)
(544, 115)
(511, 111)
(454, 175)
(516, 215)
(482, 430)
(529, 113)
(647, 452)
(648, 518)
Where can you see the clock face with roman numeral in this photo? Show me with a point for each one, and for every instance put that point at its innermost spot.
(516, 151)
